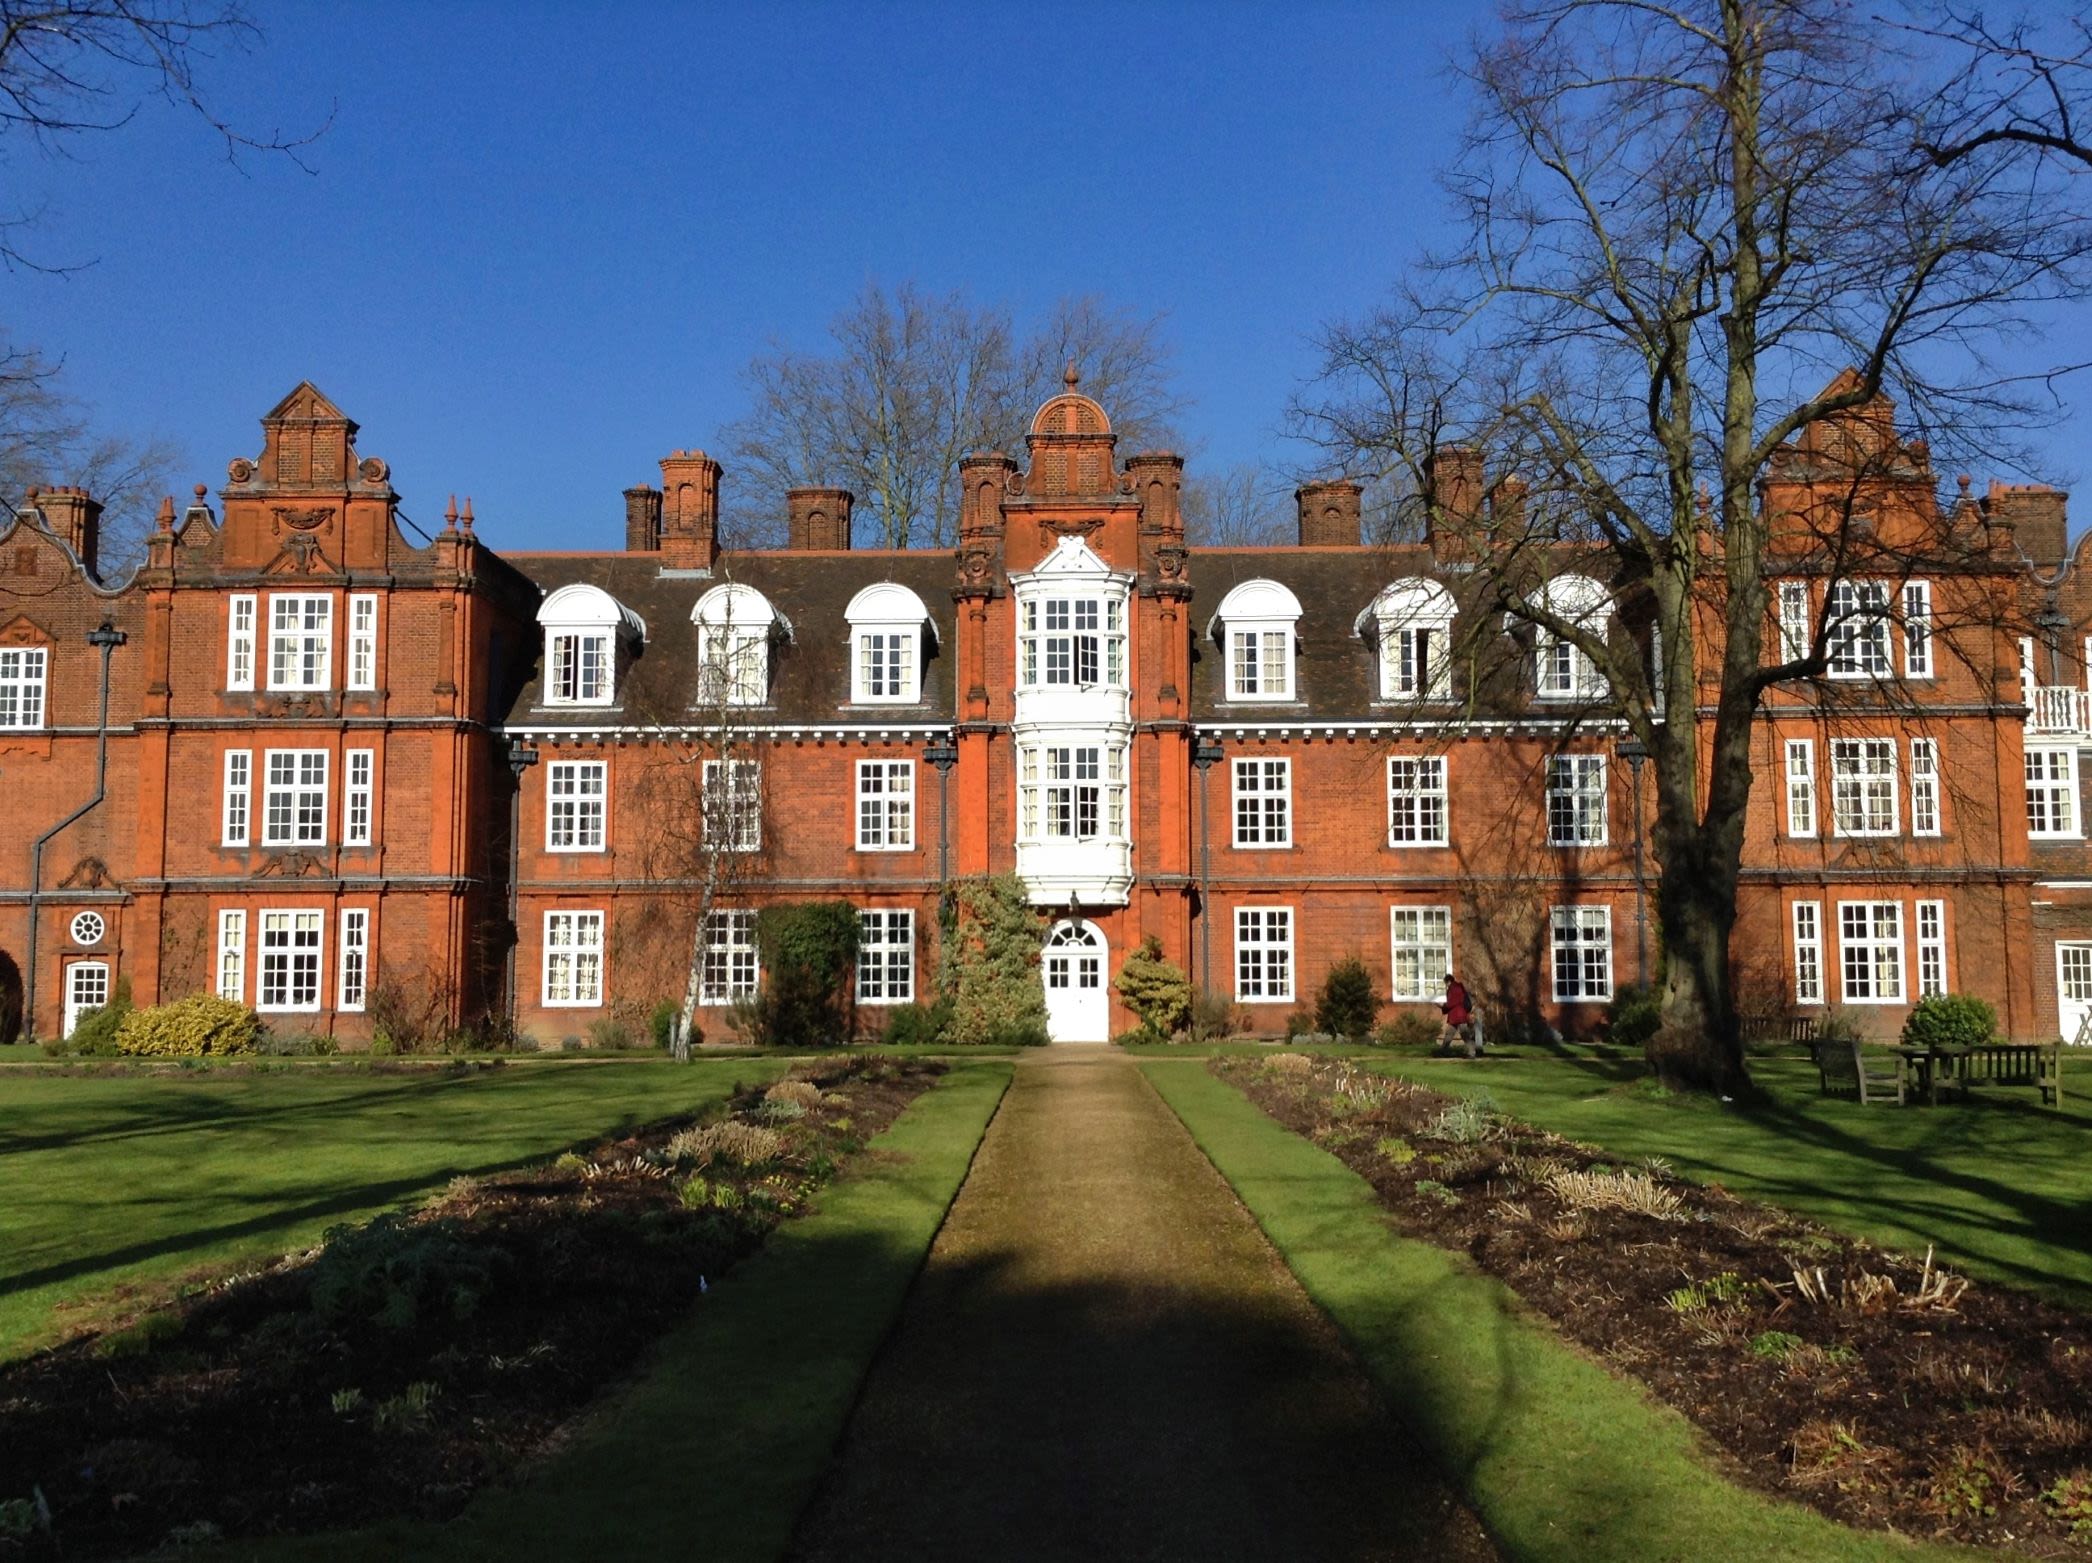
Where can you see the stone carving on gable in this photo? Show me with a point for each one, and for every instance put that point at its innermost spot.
(1169, 563)
(290, 865)
(239, 470)
(90, 873)
(1081, 528)
(373, 470)
(973, 567)
(304, 519)
(21, 630)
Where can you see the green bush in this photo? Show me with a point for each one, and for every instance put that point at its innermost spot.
(1155, 989)
(1633, 1016)
(917, 1025)
(95, 1033)
(661, 1023)
(808, 950)
(1950, 1020)
(1411, 1028)
(1300, 1024)
(298, 1044)
(1212, 1016)
(201, 1025)
(610, 1033)
(392, 1271)
(1347, 1006)
(990, 966)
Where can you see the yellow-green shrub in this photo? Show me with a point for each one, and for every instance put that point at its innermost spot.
(201, 1024)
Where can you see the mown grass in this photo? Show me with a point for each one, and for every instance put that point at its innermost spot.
(1564, 1462)
(2002, 1186)
(127, 1177)
(717, 1447)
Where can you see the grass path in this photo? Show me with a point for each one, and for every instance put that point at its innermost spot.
(1565, 1462)
(121, 1177)
(1105, 1359)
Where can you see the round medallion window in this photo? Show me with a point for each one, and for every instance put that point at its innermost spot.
(88, 928)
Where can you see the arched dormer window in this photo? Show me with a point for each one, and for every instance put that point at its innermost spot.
(1412, 623)
(735, 624)
(888, 625)
(1562, 669)
(583, 625)
(1255, 626)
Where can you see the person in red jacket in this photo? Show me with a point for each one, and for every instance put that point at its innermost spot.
(1462, 1023)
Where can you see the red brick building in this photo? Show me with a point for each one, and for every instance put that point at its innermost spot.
(299, 754)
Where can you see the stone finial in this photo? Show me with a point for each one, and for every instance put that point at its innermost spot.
(166, 516)
(1071, 376)
(450, 515)
(465, 516)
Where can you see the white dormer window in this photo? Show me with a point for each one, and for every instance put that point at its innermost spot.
(735, 624)
(583, 627)
(1563, 670)
(1412, 622)
(888, 623)
(1255, 625)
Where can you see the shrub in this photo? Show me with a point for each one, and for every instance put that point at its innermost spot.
(95, 1033)
(198, 1026)
(406, 1017)
(1299, 1024)
(807, 950)
(1155, 989)
(1411, 1028)
(729, 1141)
(661, 1023)
(391, 1271)
(1212, 1015)
(1837, 1026)
(803, 1092)
(298, 1044)
(607, 1031)
(1633, 1016)
(1347, 1005)
(990, 969)
(917, 1025)
(1950, 1020)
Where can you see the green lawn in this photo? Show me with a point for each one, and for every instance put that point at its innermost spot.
(2002, 1185)
(133, 1176)
(1564, 1462)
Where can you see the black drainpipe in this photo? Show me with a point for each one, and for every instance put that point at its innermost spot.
(106, 639)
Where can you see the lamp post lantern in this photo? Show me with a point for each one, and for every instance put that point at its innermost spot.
(1634, 752)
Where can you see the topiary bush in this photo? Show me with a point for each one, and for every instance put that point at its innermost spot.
(201, 1025)
(1156, 990)
(990, 967)
(661, 1023)
(1950, 1020)
(1347, 1005)
(1633, 1016)
(808, 951)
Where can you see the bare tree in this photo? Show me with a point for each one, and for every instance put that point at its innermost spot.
(1683, 221)
(1243, 506)
(71, 68)
(913, 381)
(2026, 82)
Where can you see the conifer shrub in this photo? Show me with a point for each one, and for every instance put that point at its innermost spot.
(918, 1025)
(1347, 1005)
(1633, 1016)
(95, 1033)
(1950, 1020)
(201, 1025)
(808, 950)
(990, 969)
(1155, 989)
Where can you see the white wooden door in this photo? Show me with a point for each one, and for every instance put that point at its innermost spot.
(86, 988)
(2073, 987)
(1073, 965)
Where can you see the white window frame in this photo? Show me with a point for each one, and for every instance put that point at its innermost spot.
(1264, 937)
(1794, 621)
(1867, 930)
(232, 954)
(1916, 598)
(1932, 948)
(1420, 944)
(572, 653)
(24, 676)
(1801, 788)
(352, 981)
(1416, 660)
(1863, 787)
(359, 799)
(1925, 797)
(1260, 660)
(1263, 803)
(301, 652)
(577, 805)
(242, 614)
(1858, 613)
(2052, 793)
(293, 946)
(1416, 787)
(1064, 784)
(886, 665)
(885, 955)
(1807, 919)
(1580, 940)
(1072, 640)
(305, 793)
(886, 805)
(573, 956)
(732, 805)
(1563, 670)
(731, 967)
(363, 641)
(1577, 805)
(237, 814)
(733, 664)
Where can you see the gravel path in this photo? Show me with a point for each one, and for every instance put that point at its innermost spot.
(1104, 1359)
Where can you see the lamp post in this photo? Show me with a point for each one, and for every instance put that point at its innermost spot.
(1205, 754)
(942, 754)
(1634, 752)
(521, 757)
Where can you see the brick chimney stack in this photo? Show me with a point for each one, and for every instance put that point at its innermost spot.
(984, 477)
(642, 520)
(2035, 516)
(689, 510)
(1330, 514)
(76, 517)
(818, 518)
(1453, 483)
(1158, 482)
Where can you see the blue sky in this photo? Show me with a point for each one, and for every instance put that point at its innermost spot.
(542, 241)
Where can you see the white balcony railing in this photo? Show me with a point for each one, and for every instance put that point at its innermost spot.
(2060, 708)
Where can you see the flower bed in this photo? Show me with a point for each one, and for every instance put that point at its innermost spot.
(403, 1364)
(1875, 1387)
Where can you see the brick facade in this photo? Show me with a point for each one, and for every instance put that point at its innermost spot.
(319, 730)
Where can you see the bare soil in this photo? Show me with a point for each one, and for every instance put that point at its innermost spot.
(1864, 1383)
(401, 1365)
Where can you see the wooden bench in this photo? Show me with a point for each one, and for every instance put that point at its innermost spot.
(2036, 1064)
(1849, 1068)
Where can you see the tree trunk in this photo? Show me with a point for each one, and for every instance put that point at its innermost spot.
(1697, 1048)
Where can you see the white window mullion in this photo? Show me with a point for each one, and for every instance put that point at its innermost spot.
(1421, 953)
(1263, 954)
